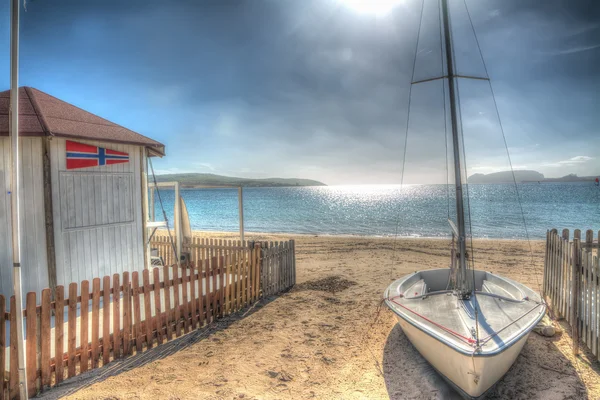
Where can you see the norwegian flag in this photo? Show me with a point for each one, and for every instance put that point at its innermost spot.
(81, 155)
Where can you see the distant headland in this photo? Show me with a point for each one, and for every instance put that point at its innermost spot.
(192, 180)
(524, 176)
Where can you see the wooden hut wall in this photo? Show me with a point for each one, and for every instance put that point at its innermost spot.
(33, 235)
(97, 215)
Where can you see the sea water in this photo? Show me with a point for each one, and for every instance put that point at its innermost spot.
(390, 210)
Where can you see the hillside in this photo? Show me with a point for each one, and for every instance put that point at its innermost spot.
(524, 176)
(506, 177)
(198, 179)
(571, 178)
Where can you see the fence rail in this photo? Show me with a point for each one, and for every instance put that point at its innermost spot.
(88, 325)
(572, 284)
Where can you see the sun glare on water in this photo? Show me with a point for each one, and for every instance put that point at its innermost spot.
(377, 7)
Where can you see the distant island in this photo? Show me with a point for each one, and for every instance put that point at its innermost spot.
(524, 176)
(192, 180)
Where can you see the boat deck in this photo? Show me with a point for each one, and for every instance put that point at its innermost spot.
(506, 310)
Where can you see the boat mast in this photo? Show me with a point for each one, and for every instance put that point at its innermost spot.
(463, 285)
(14, 190)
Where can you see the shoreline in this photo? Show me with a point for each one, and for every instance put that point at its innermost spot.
(350, 236)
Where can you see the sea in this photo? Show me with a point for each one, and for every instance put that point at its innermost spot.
(493, 210)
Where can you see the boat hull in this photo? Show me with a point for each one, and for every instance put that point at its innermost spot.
(472, 342)
(457, 368)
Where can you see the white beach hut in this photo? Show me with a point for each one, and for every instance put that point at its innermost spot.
(83, 194)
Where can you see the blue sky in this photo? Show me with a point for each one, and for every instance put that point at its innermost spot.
(319, 88)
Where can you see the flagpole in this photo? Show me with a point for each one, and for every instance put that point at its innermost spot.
(14, 191)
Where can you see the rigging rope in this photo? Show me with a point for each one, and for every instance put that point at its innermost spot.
(394, 247)
(536, 272)
(164, 213)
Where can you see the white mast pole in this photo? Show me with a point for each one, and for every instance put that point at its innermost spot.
(14, 191)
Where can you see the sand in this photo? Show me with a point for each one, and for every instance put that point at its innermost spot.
(328, 338)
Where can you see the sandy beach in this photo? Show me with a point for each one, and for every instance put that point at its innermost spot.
(328, 338)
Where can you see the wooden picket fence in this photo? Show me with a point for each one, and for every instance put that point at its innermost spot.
(87, 326)
(278, 266)
(572, 284)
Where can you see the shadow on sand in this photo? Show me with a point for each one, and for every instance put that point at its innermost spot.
(540, 372)
(408, 375)
(72, 385)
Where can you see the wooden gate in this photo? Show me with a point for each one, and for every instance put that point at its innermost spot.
(572, 284)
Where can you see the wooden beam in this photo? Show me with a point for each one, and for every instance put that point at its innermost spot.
(145, 213)
(49, 216)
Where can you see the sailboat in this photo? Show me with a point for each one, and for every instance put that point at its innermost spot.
(470, 325)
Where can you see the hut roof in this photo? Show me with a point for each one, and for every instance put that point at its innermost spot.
(43, 115)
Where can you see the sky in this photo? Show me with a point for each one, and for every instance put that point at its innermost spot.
(319, 89)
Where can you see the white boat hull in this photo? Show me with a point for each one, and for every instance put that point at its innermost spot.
(472, 342)
(457, 368)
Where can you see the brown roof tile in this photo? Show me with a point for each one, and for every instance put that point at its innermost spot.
(41, 114)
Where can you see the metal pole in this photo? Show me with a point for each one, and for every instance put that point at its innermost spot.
(241, 208)
(14, 191)
(460, 212)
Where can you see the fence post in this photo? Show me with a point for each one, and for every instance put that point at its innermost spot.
(13, 380)
(566, 272)
(553, 278)
(3, 345)
(293, 262)
(589, 286)
(72, 330)
(116, 302)
(31, 349)
(575, 294)
(257, 275)
(546, 262)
